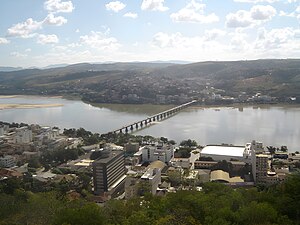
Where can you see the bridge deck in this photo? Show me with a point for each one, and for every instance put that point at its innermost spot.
(180, 107)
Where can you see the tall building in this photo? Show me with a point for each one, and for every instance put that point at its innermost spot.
(109, 172)
(261, 168)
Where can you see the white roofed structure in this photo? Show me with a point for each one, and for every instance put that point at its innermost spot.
(224, 152)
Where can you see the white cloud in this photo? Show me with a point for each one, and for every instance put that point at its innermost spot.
(18, 55)
(57, 21)
(257, 1)
(77, 30)
(241, 18)
(100, 41)
(131, 15)
(262, 12)
(154, 5)
(256, 15)
(28, 50)
(47, 39)
(295, 14)
(275, 38)
(3, 41)
(238, 42)
(25, 29)
(164, 40)
(213, 34)
(194, 12)
(115, 6)
(56, 6)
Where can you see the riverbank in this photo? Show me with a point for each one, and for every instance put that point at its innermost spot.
(27, 106)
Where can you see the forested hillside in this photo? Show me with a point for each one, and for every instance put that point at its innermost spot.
(111, 82)
(215, 204)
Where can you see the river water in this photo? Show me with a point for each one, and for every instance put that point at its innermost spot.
(273, 125)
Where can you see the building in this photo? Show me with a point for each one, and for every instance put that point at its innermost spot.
(223, 177)
(228, 152)
(7, 161)
(23, 135)
(109, 172)
(156, 151)
(152, 177)
(131, 148)
(261, 168)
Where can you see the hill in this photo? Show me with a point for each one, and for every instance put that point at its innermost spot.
(139, 82)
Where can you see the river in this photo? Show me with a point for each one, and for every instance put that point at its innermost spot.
(273, 125)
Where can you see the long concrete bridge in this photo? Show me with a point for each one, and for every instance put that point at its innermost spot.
(157, 117)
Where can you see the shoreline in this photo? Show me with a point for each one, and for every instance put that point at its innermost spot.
(28, 106)
(76, 98)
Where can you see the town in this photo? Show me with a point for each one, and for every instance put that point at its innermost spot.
(97, 167)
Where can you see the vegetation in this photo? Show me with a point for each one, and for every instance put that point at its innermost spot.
(132, 82)
(215, 204)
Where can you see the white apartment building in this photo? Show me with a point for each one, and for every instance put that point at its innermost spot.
(156, 151)
(22, 135)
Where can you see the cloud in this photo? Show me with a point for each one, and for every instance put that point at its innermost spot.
(275, 38)
(25, 29)
(47, 39)
(100, 41)
(213, 34)
(131, 15)
(164, 40)
(57, 21)
(3, 41)
(56, 6)
(115, 6)
(194, 12)
(154, 5)
(257, 1)
(262, 12)
(18, 55)
(257, 14)
(295, 14)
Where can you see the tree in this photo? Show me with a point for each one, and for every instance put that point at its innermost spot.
(34, 163)
(283, 148)
(80, 213)
(271, 149)
(188, 143)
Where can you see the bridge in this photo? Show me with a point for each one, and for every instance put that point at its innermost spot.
(157, 117)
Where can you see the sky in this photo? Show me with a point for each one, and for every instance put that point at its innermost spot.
(48, 32)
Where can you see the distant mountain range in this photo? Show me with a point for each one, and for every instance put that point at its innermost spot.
(9, 69)
(277, 77)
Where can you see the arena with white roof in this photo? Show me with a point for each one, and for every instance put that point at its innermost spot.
(228, 153)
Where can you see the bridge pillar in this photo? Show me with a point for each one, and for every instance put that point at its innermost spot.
(131, 127)
(141, 123)
(150, 120)
(153, 118)
(157, 117)
(121, 130)
(126, 130)
(136, 126)
(146, 122)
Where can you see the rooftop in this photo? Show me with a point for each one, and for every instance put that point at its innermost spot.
(224, 150)
(220, 175)
(111, 155)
